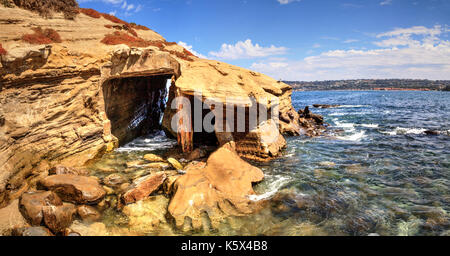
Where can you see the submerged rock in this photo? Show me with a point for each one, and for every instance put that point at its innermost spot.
(31, 231)
(75, 189)
(219, 189)
(147, 214)
(143, 187)
(88, 213)
(31, 205)
(114, 180)
(153, 158)
(67, 170)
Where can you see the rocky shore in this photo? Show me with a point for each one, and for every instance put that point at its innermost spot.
(65, 104)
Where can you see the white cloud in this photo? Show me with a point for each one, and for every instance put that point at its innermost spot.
(386, 2)
(247, 50)
(348, 41)
(189, 48)
(130, 7)
(113, 13)
(139, 8)
(426, 56)
(316, 46)
(287, 1)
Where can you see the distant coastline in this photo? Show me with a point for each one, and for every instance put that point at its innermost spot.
(372, 84)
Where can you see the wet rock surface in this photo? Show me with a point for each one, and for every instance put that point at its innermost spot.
(219, 189)
(31, 231)
(58, 218)
(88, 213)
(75, 189)
(32, 204)
(142, 187)
(67, 170)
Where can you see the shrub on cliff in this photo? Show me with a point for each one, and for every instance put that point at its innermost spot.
(123, 38)
(45, 8)
(114, 19)
(42, 36)
(91, 13)
(2, 50)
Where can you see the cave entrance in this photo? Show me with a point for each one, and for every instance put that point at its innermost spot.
(135, 105)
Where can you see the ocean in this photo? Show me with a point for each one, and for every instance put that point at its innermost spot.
(374, 172)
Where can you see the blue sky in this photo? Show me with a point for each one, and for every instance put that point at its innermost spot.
(304, 39)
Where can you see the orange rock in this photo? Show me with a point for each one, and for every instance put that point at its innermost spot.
(143, 187)
(221, 188)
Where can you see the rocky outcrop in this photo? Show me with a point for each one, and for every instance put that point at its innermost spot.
(75, 189)
(311, 124)
(220, 189)
(70, 102)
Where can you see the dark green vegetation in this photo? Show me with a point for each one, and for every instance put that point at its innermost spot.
(371, 84)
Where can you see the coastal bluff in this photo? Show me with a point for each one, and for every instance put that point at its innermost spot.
(73, 89)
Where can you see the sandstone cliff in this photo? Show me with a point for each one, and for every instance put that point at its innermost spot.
(68, 102)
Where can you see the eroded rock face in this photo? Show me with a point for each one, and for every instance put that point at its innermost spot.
(220, 189)
(54, 98)
(143, 187)
(75, 189)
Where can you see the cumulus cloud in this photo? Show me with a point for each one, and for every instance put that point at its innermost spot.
(416, 52)
(189, 48)
(246, 50)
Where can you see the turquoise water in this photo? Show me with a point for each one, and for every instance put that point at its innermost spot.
(375, 172)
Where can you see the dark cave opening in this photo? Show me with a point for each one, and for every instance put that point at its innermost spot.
(135, 105)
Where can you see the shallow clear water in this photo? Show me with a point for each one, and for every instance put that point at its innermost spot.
(385, 175)
(374, 172)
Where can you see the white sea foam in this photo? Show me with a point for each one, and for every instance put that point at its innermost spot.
(274, 186)
(369, 125)
(401, 130)
(338, 114)
(344, 125)
(151, 142)
(353, 137)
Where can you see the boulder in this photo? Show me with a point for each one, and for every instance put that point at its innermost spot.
(31, 205)
(143, 187)
(67, 170)
(177, 165)
(58, 218)
(219, 189)
(153, 158)
(88, 213)
(75, 189)
(31, 231)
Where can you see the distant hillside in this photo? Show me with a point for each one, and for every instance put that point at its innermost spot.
(372, 84)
